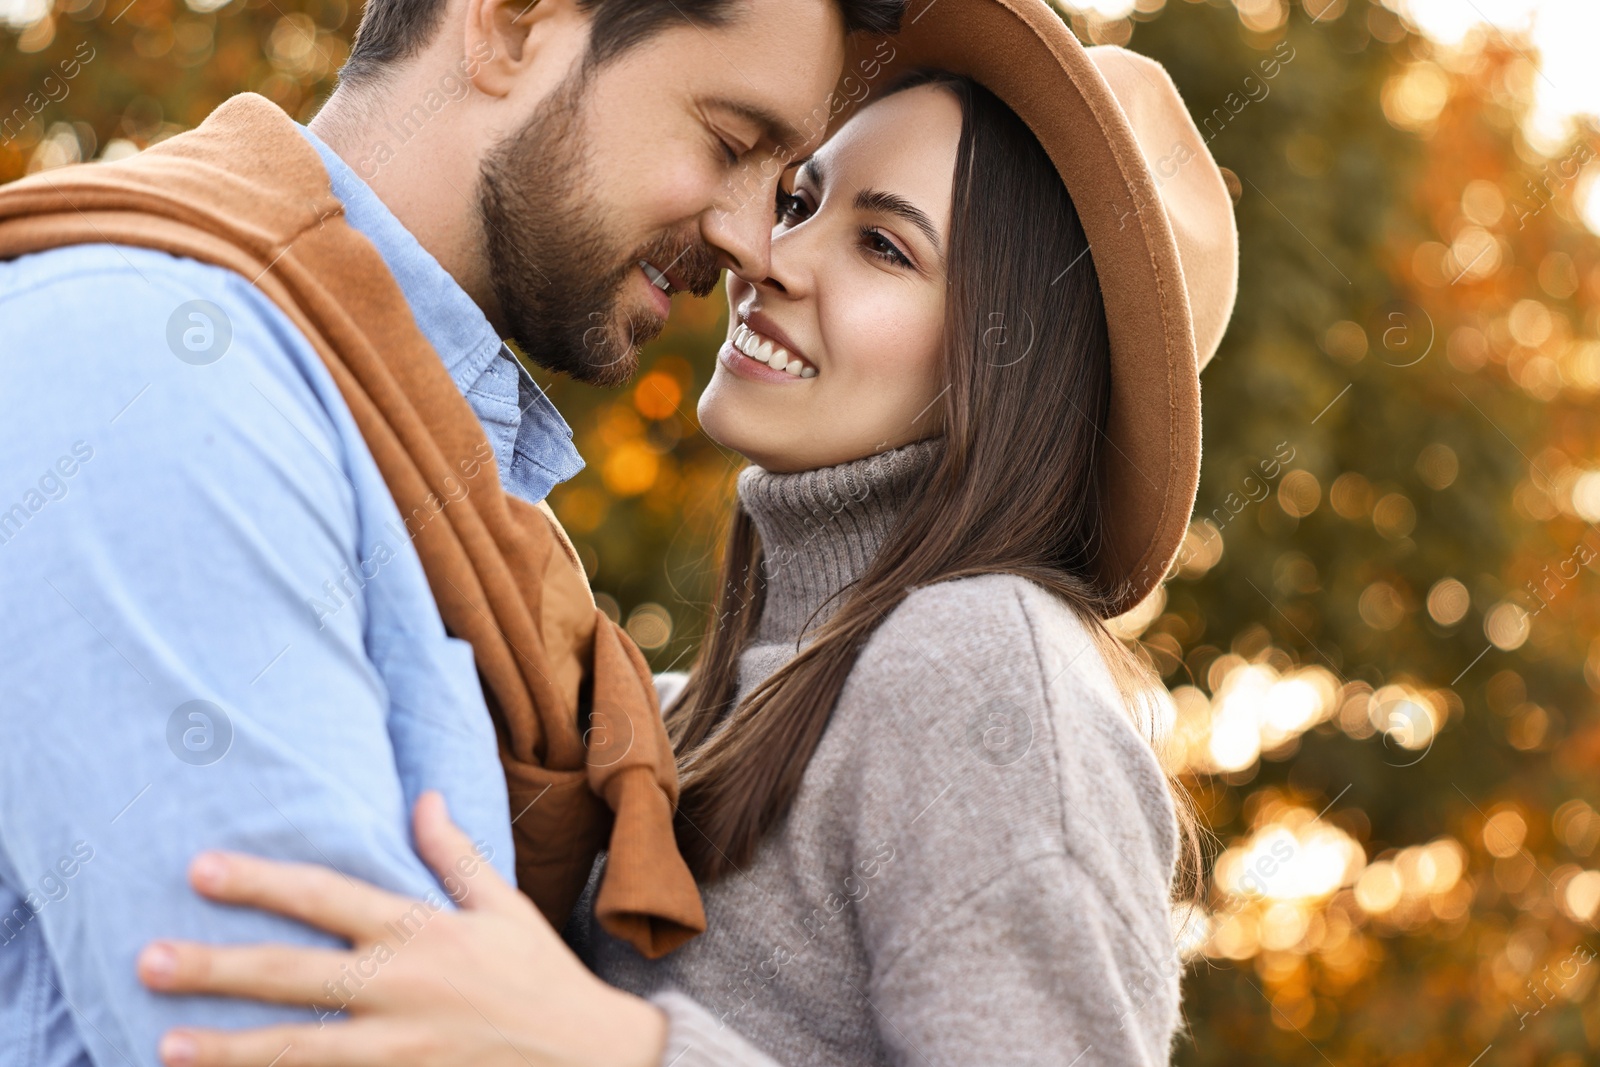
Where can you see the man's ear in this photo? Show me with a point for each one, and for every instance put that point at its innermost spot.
(512, 43)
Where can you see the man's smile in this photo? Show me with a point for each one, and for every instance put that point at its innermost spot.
(657, 277)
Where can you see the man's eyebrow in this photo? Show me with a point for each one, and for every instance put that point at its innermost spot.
(892, 204)
(773, 129)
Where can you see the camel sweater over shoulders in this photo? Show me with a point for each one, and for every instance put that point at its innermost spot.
(977, 866)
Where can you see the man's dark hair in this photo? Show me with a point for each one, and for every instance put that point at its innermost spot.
(392, 30)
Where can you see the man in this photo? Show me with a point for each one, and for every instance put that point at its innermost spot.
(217, 630)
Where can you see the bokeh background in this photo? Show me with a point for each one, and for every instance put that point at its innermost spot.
(1381, 635)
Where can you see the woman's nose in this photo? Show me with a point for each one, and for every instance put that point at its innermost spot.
(741, 232)
(790, 263)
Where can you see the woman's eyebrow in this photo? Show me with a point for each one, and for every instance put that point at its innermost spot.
(875, 200)
(892, 204)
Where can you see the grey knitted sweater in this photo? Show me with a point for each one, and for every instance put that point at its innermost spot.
(977, 866)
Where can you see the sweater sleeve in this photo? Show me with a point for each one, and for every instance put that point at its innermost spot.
(1032, 968)
(1021, 914)
(695, 1038)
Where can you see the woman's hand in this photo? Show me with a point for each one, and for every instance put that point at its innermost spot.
(487, 985)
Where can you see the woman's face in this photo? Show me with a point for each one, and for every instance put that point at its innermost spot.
(853, 311)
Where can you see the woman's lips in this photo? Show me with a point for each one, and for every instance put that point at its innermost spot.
(758, 321)
(742, 365)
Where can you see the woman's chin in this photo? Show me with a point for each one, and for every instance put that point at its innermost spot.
(773, 436)
(758, 449)
(753, 451)
(734, 425)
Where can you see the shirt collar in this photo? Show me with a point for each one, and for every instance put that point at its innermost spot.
(532, 442)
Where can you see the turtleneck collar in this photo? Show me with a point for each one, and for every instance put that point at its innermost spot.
(820, 529)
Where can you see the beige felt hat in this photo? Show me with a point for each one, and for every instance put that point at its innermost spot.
(1161, 232)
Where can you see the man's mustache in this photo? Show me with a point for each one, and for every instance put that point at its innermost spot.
(694, 263)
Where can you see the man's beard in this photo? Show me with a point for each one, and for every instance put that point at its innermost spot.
(557, 275)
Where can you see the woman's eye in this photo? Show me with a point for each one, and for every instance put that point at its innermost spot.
(729, 152)
(790, 207)
(879, 245)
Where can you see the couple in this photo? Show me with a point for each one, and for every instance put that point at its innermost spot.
(905, 806)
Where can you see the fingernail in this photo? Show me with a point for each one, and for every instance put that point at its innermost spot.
(158, 962)
(208, 870)
(178, 1050)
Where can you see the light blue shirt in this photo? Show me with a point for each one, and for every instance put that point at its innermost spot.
(198, 644)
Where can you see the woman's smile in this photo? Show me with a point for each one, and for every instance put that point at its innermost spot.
(749, 364)
(759, 340)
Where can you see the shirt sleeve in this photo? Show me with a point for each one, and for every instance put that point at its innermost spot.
(186, 662)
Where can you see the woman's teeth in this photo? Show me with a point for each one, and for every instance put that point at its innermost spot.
(771, 353)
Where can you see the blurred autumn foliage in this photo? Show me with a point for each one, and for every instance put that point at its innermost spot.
(1381, 635)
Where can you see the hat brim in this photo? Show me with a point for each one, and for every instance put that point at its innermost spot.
(1021, 51)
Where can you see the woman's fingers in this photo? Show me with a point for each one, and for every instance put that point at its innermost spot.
(314, 895)
(338, 1044)
(471, 882)
(282, 974)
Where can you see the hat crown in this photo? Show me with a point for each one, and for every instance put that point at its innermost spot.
(1188, 184)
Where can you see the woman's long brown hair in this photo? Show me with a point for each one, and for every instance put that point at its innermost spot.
(1015, 489)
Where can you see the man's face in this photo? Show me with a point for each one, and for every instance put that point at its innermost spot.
(662, 163)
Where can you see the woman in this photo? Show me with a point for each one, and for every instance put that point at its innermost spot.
(917, 789)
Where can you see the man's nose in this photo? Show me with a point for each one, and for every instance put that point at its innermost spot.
(741, 231)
